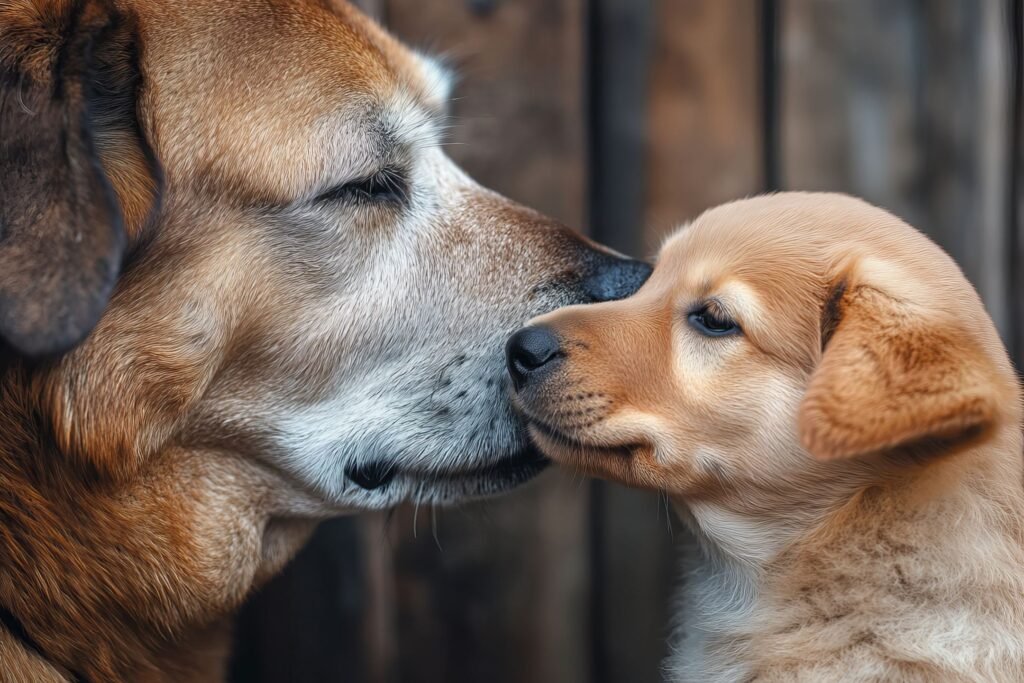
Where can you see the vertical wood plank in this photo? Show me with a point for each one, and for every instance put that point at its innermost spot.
(770, 94)
(315, 621)
(704, 145)
(905, 104)
(500, 595)
(631, 547)
(1014, 29)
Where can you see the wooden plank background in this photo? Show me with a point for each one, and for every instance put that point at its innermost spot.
(626, 118)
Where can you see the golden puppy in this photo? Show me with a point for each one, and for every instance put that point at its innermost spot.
(821, 393)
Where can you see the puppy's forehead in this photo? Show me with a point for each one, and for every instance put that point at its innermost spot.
(265, 96)
(746, 254)
(768, 270)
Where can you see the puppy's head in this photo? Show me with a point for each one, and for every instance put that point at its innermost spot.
(779, 338)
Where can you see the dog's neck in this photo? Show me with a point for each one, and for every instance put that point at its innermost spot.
(124, 580)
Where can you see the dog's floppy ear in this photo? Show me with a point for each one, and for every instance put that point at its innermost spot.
(894, 377)
(74, 167)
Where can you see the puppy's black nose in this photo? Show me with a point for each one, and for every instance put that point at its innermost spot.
(529, 351)
(615, 278)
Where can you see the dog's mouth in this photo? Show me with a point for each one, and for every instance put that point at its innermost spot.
(496, 477)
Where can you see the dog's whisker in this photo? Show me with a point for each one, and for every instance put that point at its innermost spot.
(416, 511)
(433, 526)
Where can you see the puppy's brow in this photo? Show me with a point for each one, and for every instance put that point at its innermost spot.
(718, 307)
(706, 286)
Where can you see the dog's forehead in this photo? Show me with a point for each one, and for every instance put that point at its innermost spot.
(265, 96)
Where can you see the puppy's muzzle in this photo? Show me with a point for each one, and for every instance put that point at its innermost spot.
(534, 352)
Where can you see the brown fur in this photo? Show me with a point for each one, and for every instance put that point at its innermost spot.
(851, 460)
(163, 174)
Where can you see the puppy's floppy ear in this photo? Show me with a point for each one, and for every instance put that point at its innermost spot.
(894, 377)
(74, 167)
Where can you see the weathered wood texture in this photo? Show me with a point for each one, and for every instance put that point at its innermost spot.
(633, 116)
(318, 620)
(906, 103)
(703, 138)
(1014, 131)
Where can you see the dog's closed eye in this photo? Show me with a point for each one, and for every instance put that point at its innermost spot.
(387, 186)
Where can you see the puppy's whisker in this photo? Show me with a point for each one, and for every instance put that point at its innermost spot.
(668, 514)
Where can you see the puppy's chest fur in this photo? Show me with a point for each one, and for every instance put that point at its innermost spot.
(719, 595)
(897, 594)
(715, 600)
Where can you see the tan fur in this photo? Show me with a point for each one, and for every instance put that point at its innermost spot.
(260, 345)
(851, 462)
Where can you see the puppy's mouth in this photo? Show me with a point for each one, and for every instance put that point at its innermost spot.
(567, 447)
(497, 477)
(553, 434)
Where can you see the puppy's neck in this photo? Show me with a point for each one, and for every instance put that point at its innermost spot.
(733, 536)
(939, 541)
(748, 524)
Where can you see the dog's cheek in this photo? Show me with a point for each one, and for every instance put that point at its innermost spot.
(117, 399)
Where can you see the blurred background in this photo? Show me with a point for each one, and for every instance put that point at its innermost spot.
(625, 118)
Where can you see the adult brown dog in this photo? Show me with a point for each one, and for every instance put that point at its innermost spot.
(821, 393)
(298, 305)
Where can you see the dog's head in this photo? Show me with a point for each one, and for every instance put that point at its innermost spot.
(244, 211)
(783, 344)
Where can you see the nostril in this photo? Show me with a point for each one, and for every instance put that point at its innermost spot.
(528, 350)
(616, 279)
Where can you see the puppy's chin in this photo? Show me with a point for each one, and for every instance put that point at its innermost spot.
(617, 463)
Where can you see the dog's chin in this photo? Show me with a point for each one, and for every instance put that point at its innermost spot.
(386, 484)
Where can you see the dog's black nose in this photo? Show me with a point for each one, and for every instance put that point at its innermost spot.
(529, 351)
(615, 278)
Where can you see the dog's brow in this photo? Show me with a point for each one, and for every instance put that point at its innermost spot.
(740, 299)
(439, 82)
(358, 143)
(408, 122)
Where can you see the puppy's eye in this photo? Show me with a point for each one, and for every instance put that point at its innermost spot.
(712, 324)
(387, 186)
